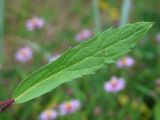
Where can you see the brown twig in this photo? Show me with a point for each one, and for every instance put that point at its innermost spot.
(6, 104)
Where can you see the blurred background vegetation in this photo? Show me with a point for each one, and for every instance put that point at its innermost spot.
(64, 19)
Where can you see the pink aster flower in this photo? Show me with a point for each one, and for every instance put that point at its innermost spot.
(158, 37)
(34, 23)
(114, 85)
(125, 62)
(48, 115)
(69, 107)
(24, 54)
(54, 57)
(83, 35)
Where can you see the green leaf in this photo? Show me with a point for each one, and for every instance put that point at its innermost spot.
(84, 59)
(157, 111)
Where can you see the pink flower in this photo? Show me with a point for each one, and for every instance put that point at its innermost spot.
(54, 57)
(114, 85)
(83, 35)
(24, 54)
(125, 62)
(158, 37)
(69, 107)
(34, 23)
(48, 115)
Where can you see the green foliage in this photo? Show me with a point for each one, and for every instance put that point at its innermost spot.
(157, 111)
(86, 58)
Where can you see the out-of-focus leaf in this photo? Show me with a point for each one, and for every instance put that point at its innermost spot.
(143, 89)
(86, 58)
(157, 111)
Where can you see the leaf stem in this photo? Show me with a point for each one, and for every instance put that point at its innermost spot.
(6, 104)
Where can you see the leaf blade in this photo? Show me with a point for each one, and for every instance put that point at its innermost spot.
(84, 59)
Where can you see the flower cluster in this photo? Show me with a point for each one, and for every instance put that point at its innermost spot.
(114, 85)
(34, 23)
(69, 107)
(63, 109)
(125, 62)
(48, 115)
(24, 54)
(83, 35)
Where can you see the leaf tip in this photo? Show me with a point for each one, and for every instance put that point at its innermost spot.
(148, 24)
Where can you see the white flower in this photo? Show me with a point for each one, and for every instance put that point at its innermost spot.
(114, 85)
(48, 115)
(69, 107)
(24, 54)
(34, 23)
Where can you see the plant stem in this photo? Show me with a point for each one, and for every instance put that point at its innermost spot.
(1, 33)
(125, 10)
(96, 15)
(6, 104)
